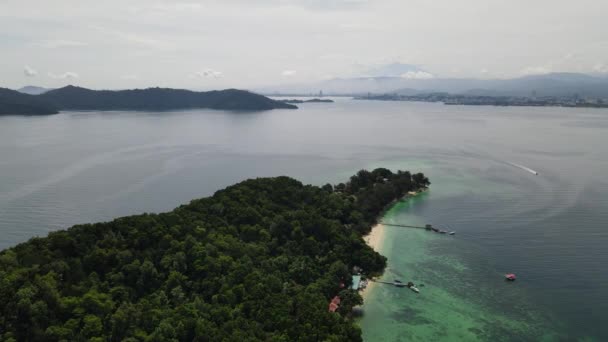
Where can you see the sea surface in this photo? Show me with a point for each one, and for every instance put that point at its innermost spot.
(550, 229)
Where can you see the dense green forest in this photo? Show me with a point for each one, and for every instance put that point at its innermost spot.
(14, 102)
(77, 98)
(257, 261)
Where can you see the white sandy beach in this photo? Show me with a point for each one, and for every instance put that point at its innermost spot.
(374, 239)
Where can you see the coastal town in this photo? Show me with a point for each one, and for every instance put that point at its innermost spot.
(481, 100)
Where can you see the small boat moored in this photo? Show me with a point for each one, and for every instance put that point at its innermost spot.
(510, 276)
(452, 233)
(412, 287)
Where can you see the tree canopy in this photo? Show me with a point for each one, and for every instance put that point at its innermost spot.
(257, 261)
(13, 102)
(153, 99)
(77, 98)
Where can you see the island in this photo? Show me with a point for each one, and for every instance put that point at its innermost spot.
(13, 102)
(150, 99)
(315, 100)
(258, 261)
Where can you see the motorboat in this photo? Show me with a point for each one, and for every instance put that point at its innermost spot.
(413, 287)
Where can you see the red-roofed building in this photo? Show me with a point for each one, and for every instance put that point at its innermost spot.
(334, 304)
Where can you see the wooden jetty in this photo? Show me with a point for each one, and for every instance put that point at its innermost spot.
(394, 283)
(428, 226)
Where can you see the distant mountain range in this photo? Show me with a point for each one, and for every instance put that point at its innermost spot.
(33, 90)
(153, 99)
(555, 84)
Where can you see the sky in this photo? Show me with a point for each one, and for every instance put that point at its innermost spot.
(212, 44)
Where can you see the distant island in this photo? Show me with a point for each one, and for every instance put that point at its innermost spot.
(14, 102)
(296, 101)
(258, 261)
(151, 99)
(480, 100)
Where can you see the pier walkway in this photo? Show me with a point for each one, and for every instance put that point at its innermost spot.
(428, 226)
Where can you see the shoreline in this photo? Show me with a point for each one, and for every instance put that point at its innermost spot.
(374, 239)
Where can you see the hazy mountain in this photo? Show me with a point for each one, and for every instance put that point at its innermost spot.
(359, 85)
(33, 90)
(400, 70)
(13, 102)
(76, 98)
(555, 84)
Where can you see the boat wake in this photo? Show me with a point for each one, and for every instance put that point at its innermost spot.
(525, 168)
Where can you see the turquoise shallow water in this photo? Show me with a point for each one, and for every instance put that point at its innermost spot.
(550, 229)
(501, 227)
(459, 301)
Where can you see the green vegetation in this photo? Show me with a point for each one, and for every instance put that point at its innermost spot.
(257, 261)
(15, 103)
(152, 99)
(76, 98)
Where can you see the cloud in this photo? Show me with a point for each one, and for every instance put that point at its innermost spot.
(65, 75)
(29, 71)
(397, 70)
(207, 73)
(417, 75)
(536, 70)
(183, 6)
(328, 4)
(306, 4)
(601, 68)
(60, 43)
(134, 38)
(129, 77)
(166, 7)
(288, 73)
(358, 26)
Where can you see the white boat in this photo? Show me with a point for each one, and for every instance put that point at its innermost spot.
(415, 289)
(525, 168)
(452, 233)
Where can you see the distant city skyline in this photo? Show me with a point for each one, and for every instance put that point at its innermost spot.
(248, 44)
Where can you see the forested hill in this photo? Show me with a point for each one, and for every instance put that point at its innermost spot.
(76, 98)
(13, 102)
(257, 261)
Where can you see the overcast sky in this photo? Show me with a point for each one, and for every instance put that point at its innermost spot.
(248, 43)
